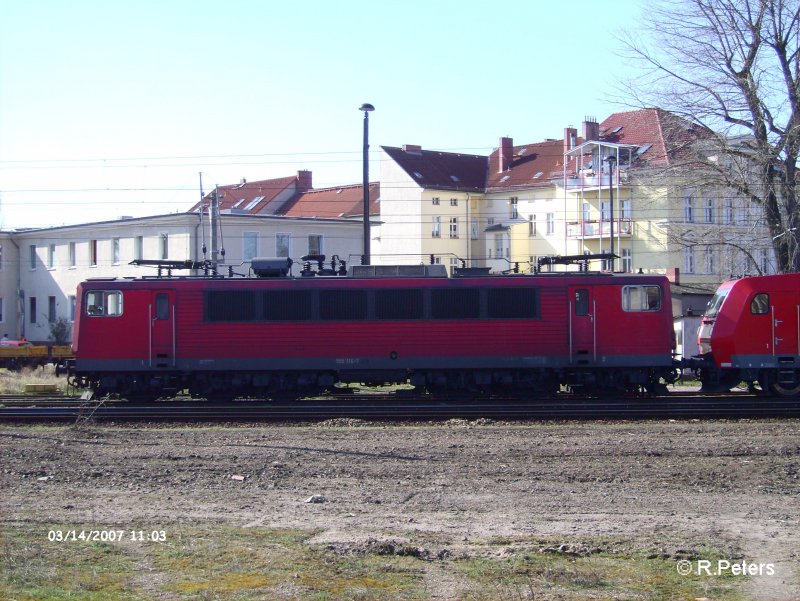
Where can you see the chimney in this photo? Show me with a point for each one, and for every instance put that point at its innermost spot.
(506, 154)
(303, 181)
(412, 149)
(674, 275)
(570, 138)
(591, 129)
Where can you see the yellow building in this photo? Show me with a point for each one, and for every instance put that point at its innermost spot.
(630, 174)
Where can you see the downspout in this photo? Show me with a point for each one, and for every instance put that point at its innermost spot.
(468, 229)
(20, 293)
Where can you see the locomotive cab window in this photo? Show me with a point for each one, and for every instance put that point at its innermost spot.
(105, 303)
(641, 298)
(582, 302)
(162, 306)
(760, 304)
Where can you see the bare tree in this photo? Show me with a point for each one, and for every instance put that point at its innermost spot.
(732, 67)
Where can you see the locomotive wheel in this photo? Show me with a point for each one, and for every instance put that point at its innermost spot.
(785, 391)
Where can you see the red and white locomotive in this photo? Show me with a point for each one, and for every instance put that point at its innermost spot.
(226, 337)
(751, 333)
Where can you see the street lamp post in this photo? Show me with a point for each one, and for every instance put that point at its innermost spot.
(611, 160)
(367, 108)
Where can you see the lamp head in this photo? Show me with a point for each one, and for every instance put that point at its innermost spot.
(366, 107)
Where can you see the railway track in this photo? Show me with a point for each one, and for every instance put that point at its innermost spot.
(387, 407)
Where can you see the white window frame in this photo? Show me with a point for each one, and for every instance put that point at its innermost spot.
(138, 248)
(33, 256)
(250, 239)
(320, 250)
(688, 209)
(163, 246)
(115, 256)
(454, 227)
(73, 255)
(287, 237)
(51, 256)
(514, 207)
(436, 226)
(551, 223)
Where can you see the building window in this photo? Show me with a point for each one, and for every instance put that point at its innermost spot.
(688, 259)
(710, 260)
(93, 253)
(282, 245)
(32, 309)
(727, 212)
(138, 248)
(51, 309)
(709, 210)
(163, 243)
(499, 246)
(436, 228)
(454, 227)
(587, 212)
(453, 202)
(473, 229)
(551, 223)
(514, 214)
(605, 211)
(249, 245)
(627, 260)
(688, 209)
(742, 218)
(531, 225)
(764, 260)
(72, 255)
(73, 303)
(453, 264)
(51, 256)
(115, 251)
(32, 249)
(315, 244)
(626, 209)
(435, 200)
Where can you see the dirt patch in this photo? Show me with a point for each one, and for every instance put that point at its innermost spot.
(436, 492)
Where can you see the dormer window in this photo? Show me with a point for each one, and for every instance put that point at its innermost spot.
(252, 204)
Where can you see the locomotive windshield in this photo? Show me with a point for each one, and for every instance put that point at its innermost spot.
(716, 302)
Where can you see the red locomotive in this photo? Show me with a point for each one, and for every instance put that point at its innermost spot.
(226, 337)
(751, 333)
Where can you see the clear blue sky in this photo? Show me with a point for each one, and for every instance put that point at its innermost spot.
(111, 108)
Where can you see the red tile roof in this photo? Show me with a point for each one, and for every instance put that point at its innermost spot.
(239, 196)
(670, 135)
(341, 202)
(532, 165)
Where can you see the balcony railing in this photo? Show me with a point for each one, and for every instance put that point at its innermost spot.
(590, 179)
(597, 229)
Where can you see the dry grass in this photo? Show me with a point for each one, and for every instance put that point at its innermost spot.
(14, 382)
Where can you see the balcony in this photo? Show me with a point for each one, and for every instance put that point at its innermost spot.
(588, 180)
(599, 229)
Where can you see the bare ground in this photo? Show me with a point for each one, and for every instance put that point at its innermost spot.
(445, 489)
